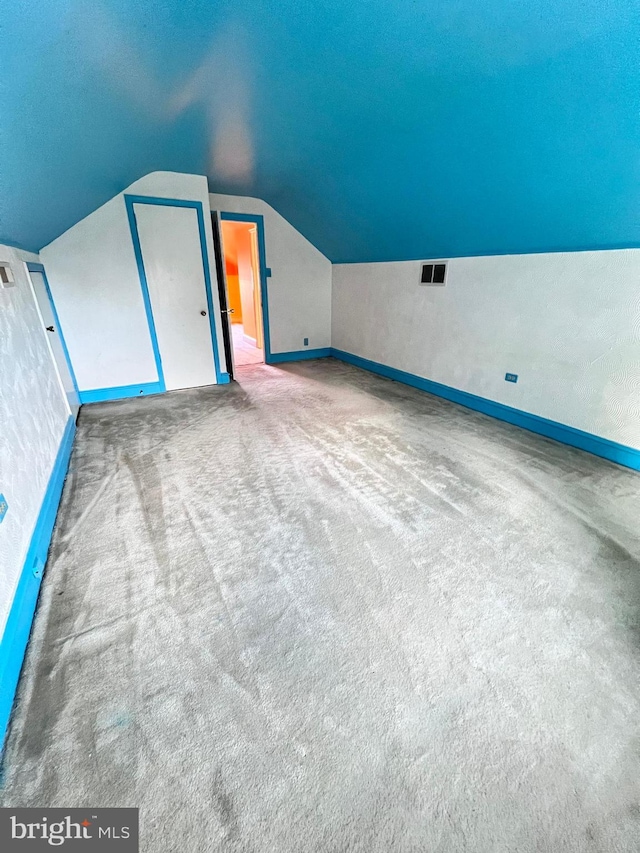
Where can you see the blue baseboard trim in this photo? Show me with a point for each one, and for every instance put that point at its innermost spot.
(225, 379)
(300, 355)
(121, 392)
(18, 628)
(619, 453)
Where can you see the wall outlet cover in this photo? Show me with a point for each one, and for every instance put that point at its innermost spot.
(4, 506)
(306, 342)
(511, 377)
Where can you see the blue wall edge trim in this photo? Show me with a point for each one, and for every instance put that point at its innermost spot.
(299, 355)
(99, 395)
(18, 628)
(619, 453)
(225, 379)
(497, 253)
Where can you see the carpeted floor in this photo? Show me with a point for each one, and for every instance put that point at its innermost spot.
(320, 611)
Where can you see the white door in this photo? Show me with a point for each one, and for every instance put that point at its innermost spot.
(173, 265)
(55, 341)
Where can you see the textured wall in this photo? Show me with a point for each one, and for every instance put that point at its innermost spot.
(568, 324)
(94, 279)
(300, 285)
(33, 415)
(93, 276)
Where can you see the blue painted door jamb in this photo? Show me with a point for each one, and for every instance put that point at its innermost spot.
(31, 267)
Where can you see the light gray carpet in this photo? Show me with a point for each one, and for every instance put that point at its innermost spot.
(320, 611)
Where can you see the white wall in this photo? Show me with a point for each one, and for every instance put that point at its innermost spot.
(299, 289)
(568, 324)
(33, 416)
(94, 279)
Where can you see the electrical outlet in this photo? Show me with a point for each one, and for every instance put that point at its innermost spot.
(511, 377)
(306, 342)
(4, 506)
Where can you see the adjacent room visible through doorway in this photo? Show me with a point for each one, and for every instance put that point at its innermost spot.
(242, 269)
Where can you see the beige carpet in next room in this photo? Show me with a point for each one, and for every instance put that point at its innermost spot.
(244, 352)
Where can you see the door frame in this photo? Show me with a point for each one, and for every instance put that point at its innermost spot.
(33, 267)
(265, 272)
(223, 294)
(130, 200)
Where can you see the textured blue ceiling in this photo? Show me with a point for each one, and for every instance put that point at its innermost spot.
(382, 129)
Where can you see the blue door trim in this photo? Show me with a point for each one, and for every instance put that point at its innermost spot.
(619, 453)
(130, 200)
(265, 272)
(135, 237)
(40, 268)
(18, 627)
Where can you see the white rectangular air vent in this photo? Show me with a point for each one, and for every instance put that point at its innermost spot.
(433, 274)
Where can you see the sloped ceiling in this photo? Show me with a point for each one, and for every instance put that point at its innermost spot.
(382, 129)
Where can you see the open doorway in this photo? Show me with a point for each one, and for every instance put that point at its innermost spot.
(244, 301)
